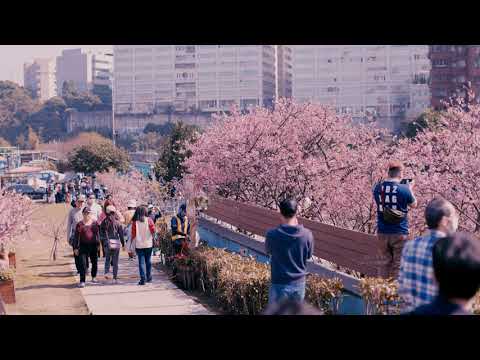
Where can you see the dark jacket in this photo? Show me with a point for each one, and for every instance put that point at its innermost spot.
(440, 306)
(86, 235)
(290, 247)
(111, 230)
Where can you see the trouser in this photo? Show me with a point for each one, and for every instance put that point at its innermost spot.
(178, 245)
(111, 256)
(88, 251)
(390, 248)
(145, 256)
(293, 291)
(78, 262)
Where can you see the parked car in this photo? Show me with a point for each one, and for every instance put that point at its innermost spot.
(27, 190)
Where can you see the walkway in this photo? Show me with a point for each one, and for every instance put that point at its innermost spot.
(161, 297)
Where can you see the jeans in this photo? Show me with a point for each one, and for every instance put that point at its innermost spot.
(78, 262)
(144, 255)
(294, 291)
(111, 255)
(88, 251)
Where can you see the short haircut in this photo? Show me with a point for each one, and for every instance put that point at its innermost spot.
(435, 211)
(394, 168)
(456, 264)
(288, 208)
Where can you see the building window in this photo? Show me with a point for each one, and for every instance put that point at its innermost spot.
(440, 63)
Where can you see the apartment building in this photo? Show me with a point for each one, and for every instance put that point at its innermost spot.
(387, 83)
(189, 78)
(87, 69)
(39, 78)
(284, 71)
(452, 67)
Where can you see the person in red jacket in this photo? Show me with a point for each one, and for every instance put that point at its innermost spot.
(143, 231)
(85, 244)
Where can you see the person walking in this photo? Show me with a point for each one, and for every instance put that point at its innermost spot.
(96, 209)
(180, 229)
(86, 242)
(393, 197)
(111, 234)
(74, 217)
(416, 280)
(143, 231)
(128, 216)
(456, 265)
(289, 245)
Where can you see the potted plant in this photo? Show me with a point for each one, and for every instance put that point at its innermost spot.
(7, 287)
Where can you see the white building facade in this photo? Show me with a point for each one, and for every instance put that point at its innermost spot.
(386, 82)
(85, 68)
(39, 78)
(205, 78)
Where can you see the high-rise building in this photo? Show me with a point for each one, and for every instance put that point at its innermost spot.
(453, 66)
(87, 69)
(39, 78)
(386, 82)
(284, 71)
(206, 78)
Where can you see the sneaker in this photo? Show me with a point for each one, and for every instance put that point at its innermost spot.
(81, 285)
(115, 281)
(141, 282)
(94, 280)
(149, 280)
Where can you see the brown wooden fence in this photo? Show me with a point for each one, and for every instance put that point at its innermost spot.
(351, 249)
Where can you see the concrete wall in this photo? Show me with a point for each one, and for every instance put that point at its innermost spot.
(126, 123)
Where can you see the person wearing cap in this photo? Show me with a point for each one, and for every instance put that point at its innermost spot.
(180, 229)
(74, 217)
(128, 217)
(85, 244)
(96, 209)
(112, 236)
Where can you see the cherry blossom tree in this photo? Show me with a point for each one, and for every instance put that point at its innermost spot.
(132, 186)
(302, 150)
(15, 213)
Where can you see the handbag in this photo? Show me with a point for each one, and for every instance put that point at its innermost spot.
(391, 216)
(113, 244)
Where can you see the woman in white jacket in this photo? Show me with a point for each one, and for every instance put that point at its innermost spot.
(143, 231)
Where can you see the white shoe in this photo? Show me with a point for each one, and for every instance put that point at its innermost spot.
(81, 285)
(94, 280)
(115, 281)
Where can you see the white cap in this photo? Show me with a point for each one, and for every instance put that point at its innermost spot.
(132, 204)
(110, 209)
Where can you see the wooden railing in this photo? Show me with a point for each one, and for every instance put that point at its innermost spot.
(350, 249)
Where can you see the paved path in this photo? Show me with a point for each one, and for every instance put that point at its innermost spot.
(161, 297)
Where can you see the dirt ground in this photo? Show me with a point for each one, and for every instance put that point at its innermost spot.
(44, 286)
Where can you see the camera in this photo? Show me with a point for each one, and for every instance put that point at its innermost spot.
(406, 181)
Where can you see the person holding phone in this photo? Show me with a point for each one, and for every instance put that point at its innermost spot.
(393, 199)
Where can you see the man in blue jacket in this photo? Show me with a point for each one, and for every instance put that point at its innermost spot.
(290, 246)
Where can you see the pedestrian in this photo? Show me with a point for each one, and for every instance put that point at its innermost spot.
(96, 209)
(456, 265)
(143, 231)
(416, 281)
(86, 242)
(74, 217)
(290, 245)
(128, 216)
(393, 197)
(180, 225)
(111, 233)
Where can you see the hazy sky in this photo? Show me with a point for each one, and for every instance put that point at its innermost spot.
(12, 57)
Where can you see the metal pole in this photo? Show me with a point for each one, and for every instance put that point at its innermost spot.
(113, 112)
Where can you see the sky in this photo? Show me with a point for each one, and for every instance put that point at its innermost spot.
(12, 57)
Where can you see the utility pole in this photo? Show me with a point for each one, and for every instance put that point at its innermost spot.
(114, 137)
